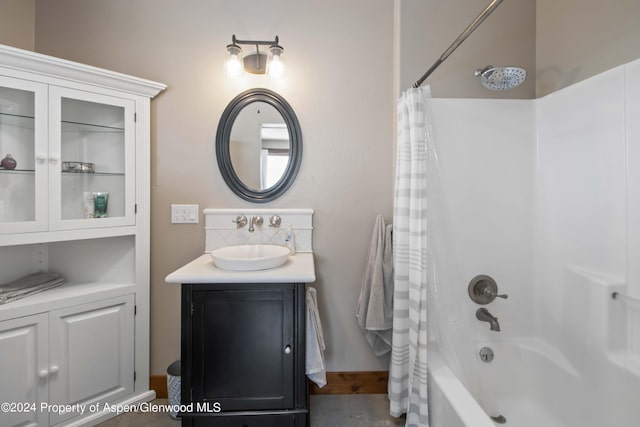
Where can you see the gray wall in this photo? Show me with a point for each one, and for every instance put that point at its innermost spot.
(428, 27)
(17, 23)
(342, 97)
(577, 39)
(559, 42)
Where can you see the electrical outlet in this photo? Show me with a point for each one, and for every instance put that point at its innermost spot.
(184, 214)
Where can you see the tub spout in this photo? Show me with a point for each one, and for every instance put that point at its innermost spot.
(484, 315)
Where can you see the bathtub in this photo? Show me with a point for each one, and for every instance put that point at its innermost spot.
(450, 403)
(584, 372)
(531, 383)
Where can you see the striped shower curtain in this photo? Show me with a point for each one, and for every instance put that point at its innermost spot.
(408, 365)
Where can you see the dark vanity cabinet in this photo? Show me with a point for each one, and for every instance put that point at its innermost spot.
(243, 355)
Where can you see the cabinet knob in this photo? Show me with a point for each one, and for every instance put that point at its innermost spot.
(43, 374)
(287, 349)
(41, 157)
(53, 160)
(54, 369)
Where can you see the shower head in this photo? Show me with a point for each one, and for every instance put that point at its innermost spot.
(501, 78)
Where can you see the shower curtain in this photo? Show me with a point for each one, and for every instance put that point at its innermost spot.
(408, 365)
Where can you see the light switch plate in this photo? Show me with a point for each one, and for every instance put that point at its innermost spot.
(184, 214)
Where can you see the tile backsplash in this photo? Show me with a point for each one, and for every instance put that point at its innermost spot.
(221, 231)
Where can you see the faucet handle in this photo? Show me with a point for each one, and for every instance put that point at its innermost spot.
(483, 289)
(491, 294)
(240, 221)
(275, 221)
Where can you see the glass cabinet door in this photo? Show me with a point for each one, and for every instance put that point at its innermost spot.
(92, 160)
(23, 155)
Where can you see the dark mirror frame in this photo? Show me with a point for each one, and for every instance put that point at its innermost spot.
(223, 150)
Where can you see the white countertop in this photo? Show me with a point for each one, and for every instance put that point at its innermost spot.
(299, 268)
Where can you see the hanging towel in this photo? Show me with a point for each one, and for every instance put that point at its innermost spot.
(316, 370)
(375, 305)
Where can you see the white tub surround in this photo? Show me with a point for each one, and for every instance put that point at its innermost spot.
(298, 269)
(543, 196)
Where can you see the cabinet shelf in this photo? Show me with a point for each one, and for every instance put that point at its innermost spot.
(17, 120)
(63, 296)
(82, 175)
(78, 174)
(68, 126)
(27, 122)
(18, 171)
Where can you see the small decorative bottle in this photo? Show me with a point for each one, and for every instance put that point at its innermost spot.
(8, 162)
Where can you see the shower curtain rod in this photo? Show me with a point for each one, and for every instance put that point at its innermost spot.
(462, 37)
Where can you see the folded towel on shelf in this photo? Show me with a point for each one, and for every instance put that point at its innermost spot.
(315, 367)
(29, 285)
(375, 304)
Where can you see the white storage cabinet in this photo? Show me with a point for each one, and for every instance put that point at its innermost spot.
(74, 131)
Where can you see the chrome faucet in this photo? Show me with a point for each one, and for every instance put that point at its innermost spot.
(484, 315)
(255, 220)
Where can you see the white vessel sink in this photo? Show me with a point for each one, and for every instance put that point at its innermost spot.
(250, 257)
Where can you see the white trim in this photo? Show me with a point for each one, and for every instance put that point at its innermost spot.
(65, 235)
(258, 211)
(32, 62)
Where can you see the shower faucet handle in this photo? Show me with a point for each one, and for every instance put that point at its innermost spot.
(488, 292)
(483, 289)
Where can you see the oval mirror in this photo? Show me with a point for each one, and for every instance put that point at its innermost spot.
(259, 145)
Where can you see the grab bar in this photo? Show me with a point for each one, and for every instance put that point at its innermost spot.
(617, 295)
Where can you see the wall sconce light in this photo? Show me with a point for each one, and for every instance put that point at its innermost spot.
(255, 63)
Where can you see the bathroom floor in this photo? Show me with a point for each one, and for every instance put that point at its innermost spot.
(329, 410)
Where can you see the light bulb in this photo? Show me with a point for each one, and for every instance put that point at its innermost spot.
(233, 66)
(276, 67)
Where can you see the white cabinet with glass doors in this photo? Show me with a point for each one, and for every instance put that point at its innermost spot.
(74, 201)
(23, 133)
(69, 146)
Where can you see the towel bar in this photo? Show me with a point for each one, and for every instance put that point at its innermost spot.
(617, 295)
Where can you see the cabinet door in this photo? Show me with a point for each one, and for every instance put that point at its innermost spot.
(24, 370)
(23, 136)
(92, 353)
(243, 348)
(92, 144)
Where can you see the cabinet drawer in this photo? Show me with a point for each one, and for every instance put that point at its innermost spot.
(284, 420)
